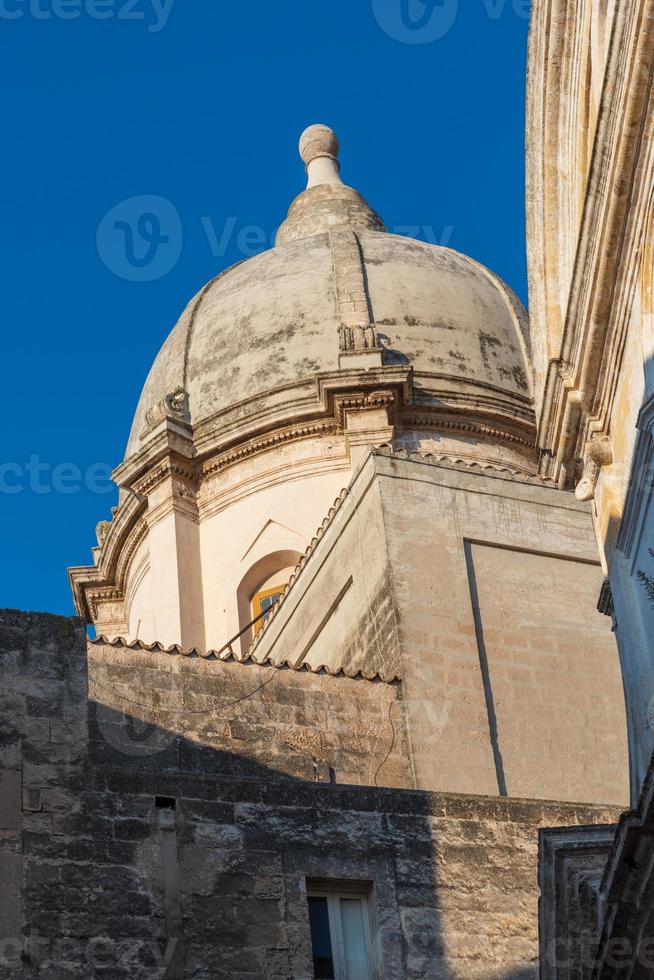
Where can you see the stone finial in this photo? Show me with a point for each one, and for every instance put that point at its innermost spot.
(318, 141)
(319, 149)
(327, 202)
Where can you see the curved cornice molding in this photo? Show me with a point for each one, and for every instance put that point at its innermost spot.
(253, 447)
(190, 460)
(106, 579)
(316, 405)
(471, 426)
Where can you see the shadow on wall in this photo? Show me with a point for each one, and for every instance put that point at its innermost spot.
(181, 860)
(629, 546)
(235, 858)
(228, 850)
(129, 850)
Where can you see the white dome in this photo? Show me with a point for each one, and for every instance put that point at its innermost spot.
(273, 320)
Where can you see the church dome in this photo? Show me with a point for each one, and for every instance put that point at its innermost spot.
(281, 376)
(278, 321)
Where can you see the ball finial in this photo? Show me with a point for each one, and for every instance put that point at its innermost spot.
(318, 141)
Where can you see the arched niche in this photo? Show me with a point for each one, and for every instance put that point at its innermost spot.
(272, 570)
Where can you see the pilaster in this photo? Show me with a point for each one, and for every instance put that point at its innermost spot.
(174, 545)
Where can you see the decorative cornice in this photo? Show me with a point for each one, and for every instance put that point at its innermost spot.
(450, 461)
(436, 420)
(112, 588)
(134, 541)
(171, 455)
(311, 401)
(181, 471)
(361, 401)
(354, 383)
(96, 597)
(232, 658)
(119, 537)
(171, 440)
(310, 407)
(265, 443)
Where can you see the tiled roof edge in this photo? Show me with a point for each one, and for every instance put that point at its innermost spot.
(230, 657)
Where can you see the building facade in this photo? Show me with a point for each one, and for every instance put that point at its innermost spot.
(348, 661)
(590, 240)
(591, 247)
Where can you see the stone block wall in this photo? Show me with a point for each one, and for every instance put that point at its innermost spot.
(140, 852)
(43, 752)
(480, 591)
(496, 584)
(234, 717)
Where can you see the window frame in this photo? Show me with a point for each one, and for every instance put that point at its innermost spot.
(334, 892)
(256, 604)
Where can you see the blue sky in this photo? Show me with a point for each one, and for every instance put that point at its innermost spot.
(201, 102)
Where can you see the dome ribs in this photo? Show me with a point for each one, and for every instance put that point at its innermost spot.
(357, 329)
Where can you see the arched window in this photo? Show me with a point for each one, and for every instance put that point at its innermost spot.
(261, 587)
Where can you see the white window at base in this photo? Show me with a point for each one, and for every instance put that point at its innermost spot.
(340, 935)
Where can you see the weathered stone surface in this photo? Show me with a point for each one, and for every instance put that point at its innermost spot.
(10, 799)
(479, 591)
(453, 878)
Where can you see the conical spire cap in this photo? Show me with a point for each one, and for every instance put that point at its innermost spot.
(327, 203)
